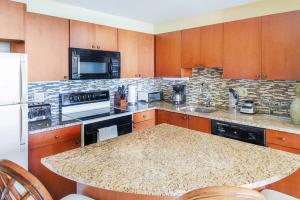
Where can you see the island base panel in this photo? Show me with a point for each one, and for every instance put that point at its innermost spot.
(101, 194)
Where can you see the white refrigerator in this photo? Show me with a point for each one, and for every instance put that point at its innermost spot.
(13, 108)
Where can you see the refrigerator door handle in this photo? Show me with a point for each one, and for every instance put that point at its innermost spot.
(24, 129)
(24, 81)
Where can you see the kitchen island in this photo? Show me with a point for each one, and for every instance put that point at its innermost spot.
(166, 161)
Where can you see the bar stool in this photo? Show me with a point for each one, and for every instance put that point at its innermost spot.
(12, 174)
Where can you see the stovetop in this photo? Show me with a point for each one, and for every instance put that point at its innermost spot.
(94, 114)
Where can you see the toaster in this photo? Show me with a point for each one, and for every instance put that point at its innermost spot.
(248, 107)
(150, 96)
(38, 112)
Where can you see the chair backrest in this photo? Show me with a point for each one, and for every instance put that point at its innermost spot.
(222, 193)
(10, 174)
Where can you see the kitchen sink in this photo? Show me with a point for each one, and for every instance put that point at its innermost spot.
(199, 109)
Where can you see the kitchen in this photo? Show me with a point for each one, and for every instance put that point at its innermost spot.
(96, 79)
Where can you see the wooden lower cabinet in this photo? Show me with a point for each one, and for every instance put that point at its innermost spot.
(289, 143)
(49, 143)
(143, 120)
(200, 124)
(183, 120)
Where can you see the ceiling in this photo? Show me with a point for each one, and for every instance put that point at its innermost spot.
(155, 11)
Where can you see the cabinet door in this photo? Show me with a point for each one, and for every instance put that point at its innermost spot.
(162, 117)
(212, 45)
(128, 46)
(281, 46)
(291, 184)
(47, 43)
(144, 125)
(55, 184)
(82, 35)
(146, 55)
(179, 119)
(12, 23)
(242, 49)
(168, 54)
(106, 38)
(191, 50)
(200, 124)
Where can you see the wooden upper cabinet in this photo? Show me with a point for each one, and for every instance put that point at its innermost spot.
(191, 51)
(82, 35)
(47, 43)
(281, 46)
(146, 55)
(242, 49)
(106, 38)
(168, 54)
(212, 46)
(128, 47)
(91, 36)
(12, 20)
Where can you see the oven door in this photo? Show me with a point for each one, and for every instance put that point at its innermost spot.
(94, 132)
(91, 64)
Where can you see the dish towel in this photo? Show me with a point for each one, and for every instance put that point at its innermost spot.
(107, 133)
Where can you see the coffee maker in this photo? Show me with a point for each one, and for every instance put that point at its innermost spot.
(179, 94)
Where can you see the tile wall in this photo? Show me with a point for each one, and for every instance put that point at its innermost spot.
(280, 93)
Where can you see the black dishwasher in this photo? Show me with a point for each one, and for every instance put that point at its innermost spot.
(240, 132)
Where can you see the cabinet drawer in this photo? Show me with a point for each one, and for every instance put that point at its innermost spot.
(53, 137)
(144, 116)
(144, 125)
(283, 139)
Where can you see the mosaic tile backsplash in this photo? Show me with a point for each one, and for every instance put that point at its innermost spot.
(207, 83)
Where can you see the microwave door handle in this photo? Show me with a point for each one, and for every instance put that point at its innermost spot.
(110, 68)
(78, 65)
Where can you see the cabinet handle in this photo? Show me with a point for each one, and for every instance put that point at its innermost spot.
(57, 136)
(65, 77)
(264, 76)
(93, 46)
(144, 116)
(139, 75)
(77, 141)
(258, 76)
(283, 139)
(185, 117)
(98, 47)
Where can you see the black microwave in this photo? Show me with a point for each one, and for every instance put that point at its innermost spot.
(93, 64)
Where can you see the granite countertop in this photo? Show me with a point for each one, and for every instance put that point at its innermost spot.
(168, 161)
(257, 120)
(51, 124)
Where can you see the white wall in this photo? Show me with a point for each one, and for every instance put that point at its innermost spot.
(260, 8)
(72, 12)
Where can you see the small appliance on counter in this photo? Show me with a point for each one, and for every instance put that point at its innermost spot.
(39, 112)
(248, 107)
(150, 96)
(132, 93)
(179, 94)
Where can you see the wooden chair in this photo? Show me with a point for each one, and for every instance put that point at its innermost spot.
(222, 193)
(12, 174)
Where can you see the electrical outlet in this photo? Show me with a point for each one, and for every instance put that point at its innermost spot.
(243, 92)
(39, 97)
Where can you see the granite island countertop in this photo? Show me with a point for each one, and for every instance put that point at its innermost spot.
(168, 161)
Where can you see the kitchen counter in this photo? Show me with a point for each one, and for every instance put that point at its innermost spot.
(257, 120)
(168, 160)
(51, 124)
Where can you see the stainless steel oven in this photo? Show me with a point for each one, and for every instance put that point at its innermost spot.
(93, 64)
